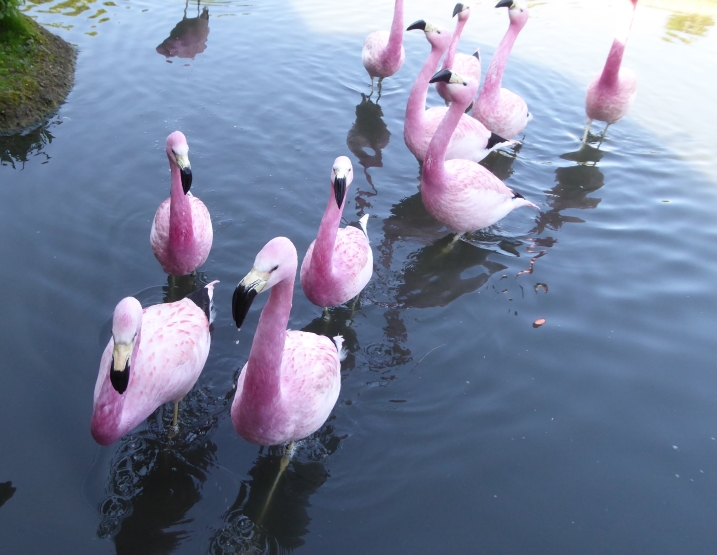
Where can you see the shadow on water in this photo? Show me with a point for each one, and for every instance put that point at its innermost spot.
(154, 479)
(366, 139)
(6, 492)
(272, 519)
(17, 150)
(189, 36)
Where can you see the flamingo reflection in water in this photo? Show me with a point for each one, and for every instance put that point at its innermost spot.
(189, 36)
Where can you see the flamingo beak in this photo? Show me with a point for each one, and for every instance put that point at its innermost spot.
(458, 9)
(248, 288)
(504, 4)
(339, 187)
(119, 372)
(186, 171)
(445, 75)
(420, 24)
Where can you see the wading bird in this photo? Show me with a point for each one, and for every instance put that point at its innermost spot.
(471, 140)
(181, 235)
(611, 93)
(500, 110)
(461, 194)
(155, 356)
(339, 263)
(291, 382)
(382, 53)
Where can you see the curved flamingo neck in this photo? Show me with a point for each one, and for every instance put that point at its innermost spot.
(416, 106)
(395, 38)
(434, 169)
(494, 76)
(322, 259)
(181, 229)
(262, 384)
(611, 71)
(451, 52)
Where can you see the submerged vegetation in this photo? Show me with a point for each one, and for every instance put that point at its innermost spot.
(36, 69)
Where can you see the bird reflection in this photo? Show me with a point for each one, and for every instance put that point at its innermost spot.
(574, 184)
(264, 519)
(6, 492)
(500, 163)
(155, 480)
(340, 323)
(179, 287)
(366, 139)
(189, 36)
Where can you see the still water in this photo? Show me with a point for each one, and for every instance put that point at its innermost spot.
(461, 427)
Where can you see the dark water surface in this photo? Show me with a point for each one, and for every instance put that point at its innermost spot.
(461, 428)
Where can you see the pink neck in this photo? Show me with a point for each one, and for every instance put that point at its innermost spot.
(434, 164)
(395, 39)
(262, 385)
(181, 230)
(611, 70)
(451, 53)
(494, 76)
(322, 258)
(416, 107)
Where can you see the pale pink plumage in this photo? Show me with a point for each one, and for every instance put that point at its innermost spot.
(339, 263)
(181, 234)
(461, 194)
(612, 92)
(383, 53)
(470, 140)
(463, 64)
(291, 382)
(500, 110)
(167, 346)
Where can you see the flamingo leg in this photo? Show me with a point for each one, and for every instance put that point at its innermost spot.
(380, 79)
(602, 137)
(371, 88)
(326, 315)
(587, 131)
(449, 247)
(285, 458)
(176, 414)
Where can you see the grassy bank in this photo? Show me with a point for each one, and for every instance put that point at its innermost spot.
(36, 72)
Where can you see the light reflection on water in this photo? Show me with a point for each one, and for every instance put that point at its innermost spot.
(457, 418)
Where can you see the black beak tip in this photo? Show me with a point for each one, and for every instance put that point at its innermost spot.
(186, 174)
(420, 24)
(339, 190)
(458, 9)
(444, 75)
(504, 4)
(241, 302)
(118, 378)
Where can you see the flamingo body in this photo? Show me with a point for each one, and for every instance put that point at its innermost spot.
(501, 110)
(181, 235)
(170, 346)
(383, 53)
(463, 64)
(292, 379)
(339, 263)
(611, 93)
(461, 194)
(470, 140)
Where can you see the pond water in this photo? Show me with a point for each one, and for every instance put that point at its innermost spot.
(461, 427)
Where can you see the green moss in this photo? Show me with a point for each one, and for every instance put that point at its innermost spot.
(19, 53)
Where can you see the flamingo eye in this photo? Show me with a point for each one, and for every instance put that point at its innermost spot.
(274, 268)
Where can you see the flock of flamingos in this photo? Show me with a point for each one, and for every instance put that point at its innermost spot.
(291, 381)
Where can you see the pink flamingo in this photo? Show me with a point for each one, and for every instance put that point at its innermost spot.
(471, 140)
(464, 64)
(500, 110)
(154, 356)
(461, 194)
(611, 93)
(339, 263)
(181, 235)
(291, 382)
(382, 53)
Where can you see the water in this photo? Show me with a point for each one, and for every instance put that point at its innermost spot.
(460, 427)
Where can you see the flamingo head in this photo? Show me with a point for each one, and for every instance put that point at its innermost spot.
(517, 11)
(462, 90)
(463, 11)
(342, 174)
(437, 38)
(276, 262)
(178, 154)
(126, 323)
